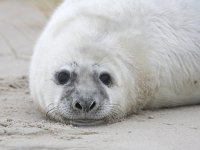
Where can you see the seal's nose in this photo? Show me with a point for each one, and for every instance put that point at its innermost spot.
(84, 106)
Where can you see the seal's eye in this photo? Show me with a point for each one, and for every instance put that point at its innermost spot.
(106, 79)
(63, 77)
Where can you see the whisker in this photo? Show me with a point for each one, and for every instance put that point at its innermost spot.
(108, 113)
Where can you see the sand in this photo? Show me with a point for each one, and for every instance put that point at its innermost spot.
(23, 127)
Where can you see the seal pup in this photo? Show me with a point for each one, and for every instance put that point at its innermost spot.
(99, 61)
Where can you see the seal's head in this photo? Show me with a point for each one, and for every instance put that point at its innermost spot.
(84, 96)
(86, 85)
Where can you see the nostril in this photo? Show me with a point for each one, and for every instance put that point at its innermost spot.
(92, 105)
(78, 106)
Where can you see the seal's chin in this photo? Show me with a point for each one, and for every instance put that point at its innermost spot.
(86, 122)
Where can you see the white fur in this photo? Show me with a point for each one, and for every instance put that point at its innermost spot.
(152, 46)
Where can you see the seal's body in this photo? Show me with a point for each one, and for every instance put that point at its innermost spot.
(101, 60)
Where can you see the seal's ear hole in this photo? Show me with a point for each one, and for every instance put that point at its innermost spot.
(106, 79)
(62, 77)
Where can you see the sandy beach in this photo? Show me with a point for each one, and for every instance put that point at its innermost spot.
(23, 127)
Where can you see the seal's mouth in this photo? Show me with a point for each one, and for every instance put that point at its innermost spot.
(86, 122)
(102, 116)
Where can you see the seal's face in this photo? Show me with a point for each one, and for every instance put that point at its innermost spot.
(83, 96)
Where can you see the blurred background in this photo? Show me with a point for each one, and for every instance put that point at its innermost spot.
(21, 22)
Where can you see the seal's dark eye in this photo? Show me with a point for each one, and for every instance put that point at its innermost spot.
(63, 77)
(106, 79)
